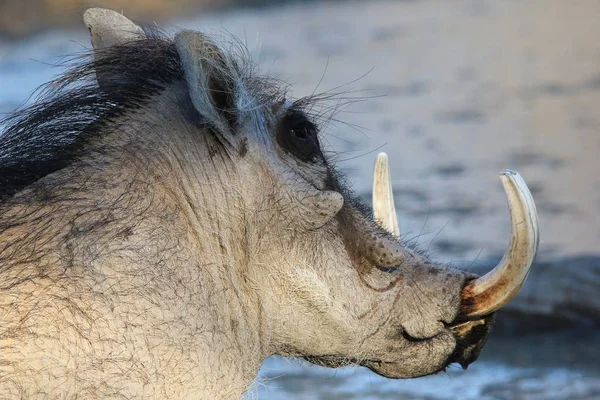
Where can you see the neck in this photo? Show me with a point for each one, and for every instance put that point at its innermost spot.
(205, 249)
(163, 290)
(230, 337)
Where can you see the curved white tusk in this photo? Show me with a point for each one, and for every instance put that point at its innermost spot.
(495, 289)
(384, 209)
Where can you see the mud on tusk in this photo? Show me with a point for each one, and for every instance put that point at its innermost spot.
(384, 209)
(492, 291)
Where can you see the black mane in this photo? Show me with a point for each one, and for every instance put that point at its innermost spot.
(51, 133)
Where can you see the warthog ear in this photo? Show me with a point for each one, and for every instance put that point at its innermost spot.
(211, 76)
(109, 28)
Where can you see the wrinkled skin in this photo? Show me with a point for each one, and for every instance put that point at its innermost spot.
(173, 261)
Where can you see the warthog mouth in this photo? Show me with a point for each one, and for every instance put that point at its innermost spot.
(470, 337)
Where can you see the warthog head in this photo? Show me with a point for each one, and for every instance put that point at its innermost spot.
(184, 209)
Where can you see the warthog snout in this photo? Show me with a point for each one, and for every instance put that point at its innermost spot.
(481, 296)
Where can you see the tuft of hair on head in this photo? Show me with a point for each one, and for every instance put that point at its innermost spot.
(73, 110)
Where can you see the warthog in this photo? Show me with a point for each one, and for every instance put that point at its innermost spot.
(168, 220)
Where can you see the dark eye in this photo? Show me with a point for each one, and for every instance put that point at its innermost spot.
(297, 135)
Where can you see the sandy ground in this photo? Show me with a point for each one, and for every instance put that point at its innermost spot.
(454, 92)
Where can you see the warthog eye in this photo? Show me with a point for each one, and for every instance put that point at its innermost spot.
(299, 136)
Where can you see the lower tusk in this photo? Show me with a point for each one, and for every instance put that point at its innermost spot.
(492, 291)
(384, 209)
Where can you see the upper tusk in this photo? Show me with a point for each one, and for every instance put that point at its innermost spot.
(384, 209)
(492, 291)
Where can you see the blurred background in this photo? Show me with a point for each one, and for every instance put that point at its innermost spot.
(453, 92)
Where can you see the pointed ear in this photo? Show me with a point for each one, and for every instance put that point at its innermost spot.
(109, 28)
(211, 76)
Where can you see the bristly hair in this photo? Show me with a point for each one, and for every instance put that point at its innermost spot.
(71, 111)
